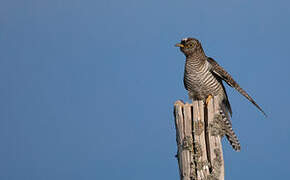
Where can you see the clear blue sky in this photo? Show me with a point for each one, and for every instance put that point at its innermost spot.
(87, 87)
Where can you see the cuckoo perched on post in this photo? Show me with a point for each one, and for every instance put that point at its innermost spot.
(203, 78)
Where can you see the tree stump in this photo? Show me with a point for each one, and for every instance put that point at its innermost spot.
(198, 137)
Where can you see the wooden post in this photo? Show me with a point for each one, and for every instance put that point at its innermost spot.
(198, 136)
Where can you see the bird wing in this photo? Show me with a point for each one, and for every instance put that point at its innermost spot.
(219, 71)
(226, 101)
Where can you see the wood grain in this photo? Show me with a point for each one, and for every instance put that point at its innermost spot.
(199, 153)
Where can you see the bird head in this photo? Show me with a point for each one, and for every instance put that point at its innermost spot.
(189, 46)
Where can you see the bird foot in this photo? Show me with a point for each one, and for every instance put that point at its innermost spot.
(208, 99)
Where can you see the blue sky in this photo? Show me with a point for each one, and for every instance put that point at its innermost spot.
(87, 87)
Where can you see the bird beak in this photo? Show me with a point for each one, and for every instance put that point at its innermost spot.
(179, 45)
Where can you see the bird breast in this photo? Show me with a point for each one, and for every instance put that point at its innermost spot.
(199, 80)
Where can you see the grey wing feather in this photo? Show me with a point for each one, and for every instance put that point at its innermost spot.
(226, 101)
(218, 70)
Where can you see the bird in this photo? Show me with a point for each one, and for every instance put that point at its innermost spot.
(203, 79)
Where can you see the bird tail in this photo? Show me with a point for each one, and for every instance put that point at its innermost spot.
(228, 130)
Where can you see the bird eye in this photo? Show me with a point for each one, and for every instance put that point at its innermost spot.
(190, 45)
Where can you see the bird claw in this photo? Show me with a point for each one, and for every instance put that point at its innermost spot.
(208, 99)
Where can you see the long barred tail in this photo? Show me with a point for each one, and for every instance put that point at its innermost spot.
(229, 132)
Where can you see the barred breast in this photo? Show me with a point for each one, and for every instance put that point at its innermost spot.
(199, 81)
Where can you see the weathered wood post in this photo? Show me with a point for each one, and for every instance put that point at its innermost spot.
(198, 136)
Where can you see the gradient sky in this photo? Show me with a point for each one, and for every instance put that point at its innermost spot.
(87, 87)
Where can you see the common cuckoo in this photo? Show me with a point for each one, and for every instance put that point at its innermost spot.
(203, 78)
